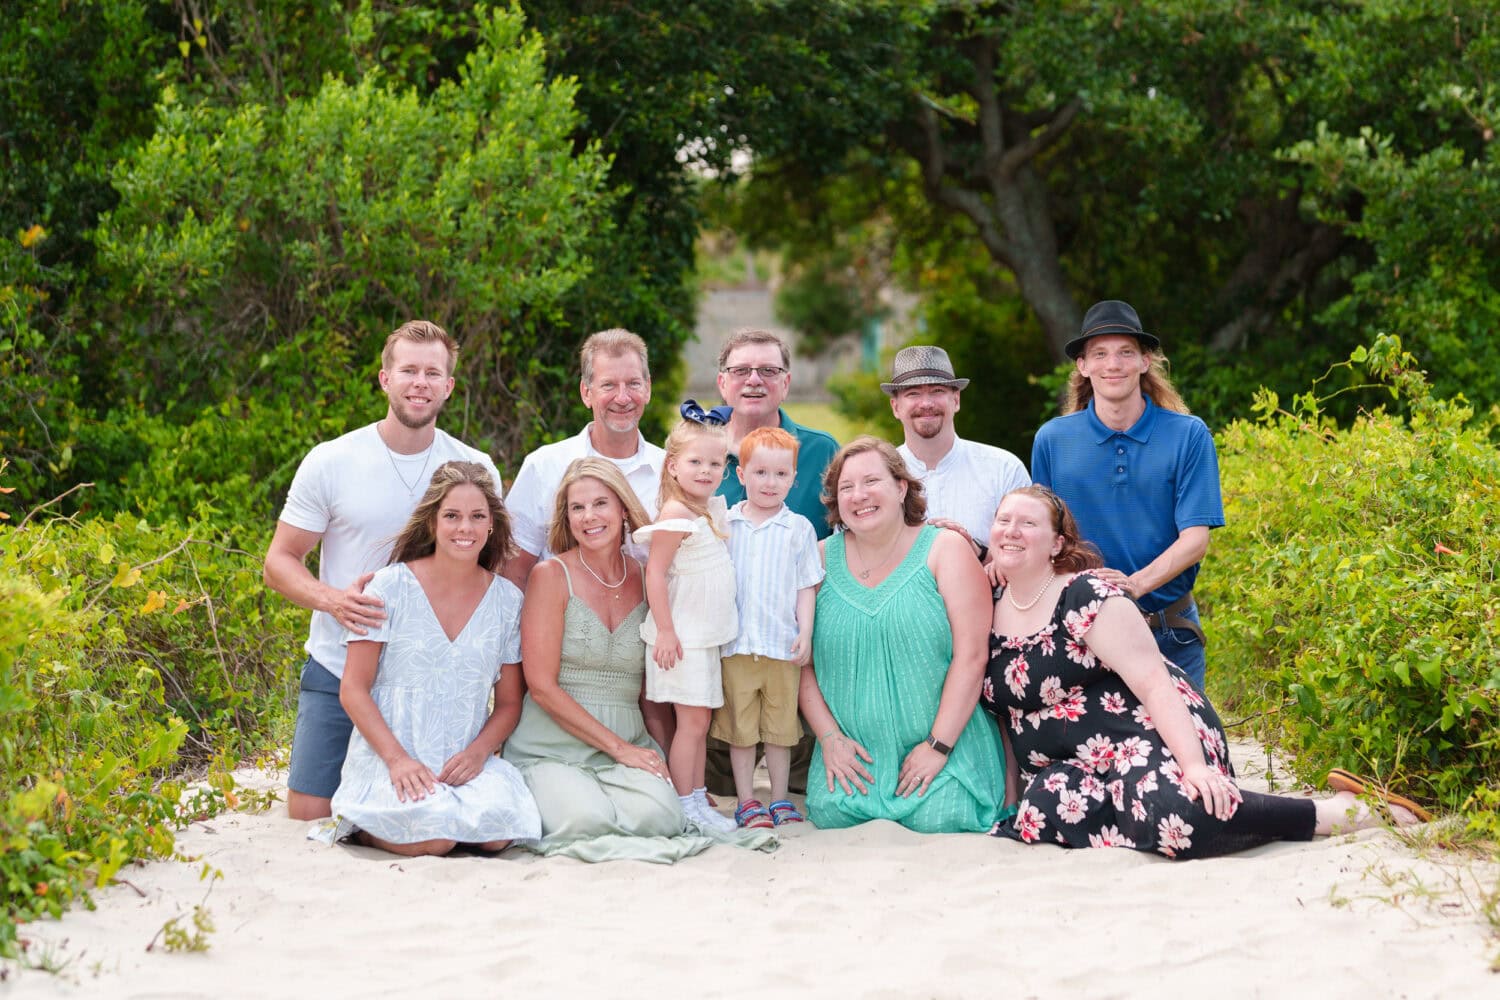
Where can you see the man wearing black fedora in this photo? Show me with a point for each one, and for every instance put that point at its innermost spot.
(1139, 473)
(964, 480)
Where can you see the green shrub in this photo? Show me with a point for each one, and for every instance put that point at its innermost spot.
(1353, 592)
(131, 654)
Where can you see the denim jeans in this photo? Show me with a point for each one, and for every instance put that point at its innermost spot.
(1184, 648)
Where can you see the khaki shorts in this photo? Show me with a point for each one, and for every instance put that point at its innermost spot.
(760, 702)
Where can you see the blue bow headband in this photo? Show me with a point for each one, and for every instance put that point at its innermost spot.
(717, 417)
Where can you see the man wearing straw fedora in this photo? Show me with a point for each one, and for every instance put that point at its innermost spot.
(1138, 472)
(964, 480)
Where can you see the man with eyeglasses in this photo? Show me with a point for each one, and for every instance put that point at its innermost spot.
(754, 376)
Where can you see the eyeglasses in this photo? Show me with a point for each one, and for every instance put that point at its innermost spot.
(766, 372)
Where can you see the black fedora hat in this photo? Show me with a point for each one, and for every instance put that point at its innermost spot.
(1111, 316)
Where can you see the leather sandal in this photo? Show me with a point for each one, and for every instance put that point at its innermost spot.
(1343, 781)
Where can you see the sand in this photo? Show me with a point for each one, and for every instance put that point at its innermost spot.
(874, 911)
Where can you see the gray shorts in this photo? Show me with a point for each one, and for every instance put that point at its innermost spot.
(322, 736)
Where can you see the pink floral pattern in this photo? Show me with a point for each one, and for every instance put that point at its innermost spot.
(1094, 771)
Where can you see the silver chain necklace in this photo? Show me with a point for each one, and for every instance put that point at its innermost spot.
(602, 582)
(411, 488)
(1011, 596)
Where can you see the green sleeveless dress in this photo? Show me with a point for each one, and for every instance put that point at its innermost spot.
(593, 808)
(881, 655)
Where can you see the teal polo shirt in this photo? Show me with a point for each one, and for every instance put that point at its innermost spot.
(815, 449)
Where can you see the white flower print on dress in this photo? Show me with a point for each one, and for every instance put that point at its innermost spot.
(1172, 771)
(1046, 643)
(1117, 793)
(1029, 822)
(1038, 760)
(1147, 784)
(1110, 836)
(1112, 702)
(1055, 782)
(1131, 753)
(1190, 696)
(988, 690)
(1077, 623)
(1143, 718)
(1079, 653)
(1098, 752)
(1051, 690)
(1072, 806)
(1015, 676)
(1073, 708)
(1173, 835)
(1102, 588)
(1138, 810)
(1092, 787)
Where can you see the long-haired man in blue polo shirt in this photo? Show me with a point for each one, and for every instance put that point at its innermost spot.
(1139, 472)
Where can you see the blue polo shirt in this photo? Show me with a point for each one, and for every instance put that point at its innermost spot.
(815, 449)
(1133, 491)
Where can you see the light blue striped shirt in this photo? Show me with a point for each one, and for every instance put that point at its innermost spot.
(772, 561)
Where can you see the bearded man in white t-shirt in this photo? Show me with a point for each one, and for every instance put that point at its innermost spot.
(964, 480)
(353, 495)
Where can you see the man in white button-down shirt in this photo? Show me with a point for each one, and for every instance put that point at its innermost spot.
(616, 386)
(964, 480)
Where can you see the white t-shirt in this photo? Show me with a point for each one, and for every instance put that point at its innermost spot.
(968, 483)
(534, 492)
(348, 491)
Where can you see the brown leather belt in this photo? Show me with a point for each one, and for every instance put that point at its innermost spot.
(1172, 616)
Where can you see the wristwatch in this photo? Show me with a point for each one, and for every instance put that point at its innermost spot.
(939, 745)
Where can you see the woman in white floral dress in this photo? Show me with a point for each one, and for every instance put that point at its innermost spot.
(422, 775)
(1115, 746)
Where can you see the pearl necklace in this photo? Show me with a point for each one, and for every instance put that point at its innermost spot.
(602, 582)
(1011, 596)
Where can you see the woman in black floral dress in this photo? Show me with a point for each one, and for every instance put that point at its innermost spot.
(1115, 746)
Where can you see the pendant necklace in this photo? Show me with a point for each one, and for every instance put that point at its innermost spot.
(1011, 595)
(411, 488)
(865, 573)
(602, 582)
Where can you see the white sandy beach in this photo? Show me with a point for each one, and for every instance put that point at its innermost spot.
(875, 911)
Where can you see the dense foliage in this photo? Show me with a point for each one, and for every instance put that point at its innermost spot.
(1353, 593)
(130, 653)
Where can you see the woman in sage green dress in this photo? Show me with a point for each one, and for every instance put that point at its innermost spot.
(899, 645)
(600, 782)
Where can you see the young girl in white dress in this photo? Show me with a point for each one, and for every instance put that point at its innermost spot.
(422, 775)
(690, 589)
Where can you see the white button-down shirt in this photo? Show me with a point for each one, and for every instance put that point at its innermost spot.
(532, 495)
(772, 561)
(968, 483)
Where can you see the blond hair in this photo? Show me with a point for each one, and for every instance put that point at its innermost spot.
(419, 538)
(1155, 386)
(611, 344)
(419, 331)
(559, 533)
(685, 432)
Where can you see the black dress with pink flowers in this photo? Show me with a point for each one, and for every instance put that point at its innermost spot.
(1094, 771)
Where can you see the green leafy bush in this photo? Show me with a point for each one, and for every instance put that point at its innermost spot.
(131, 654)
(1353, 592)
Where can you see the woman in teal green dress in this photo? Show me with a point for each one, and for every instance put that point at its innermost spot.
(899, 650)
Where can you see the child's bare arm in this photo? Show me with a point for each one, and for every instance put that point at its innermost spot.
(807, 602)
(664, 546)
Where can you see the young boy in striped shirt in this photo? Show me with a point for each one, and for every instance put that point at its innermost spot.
(777, 571)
